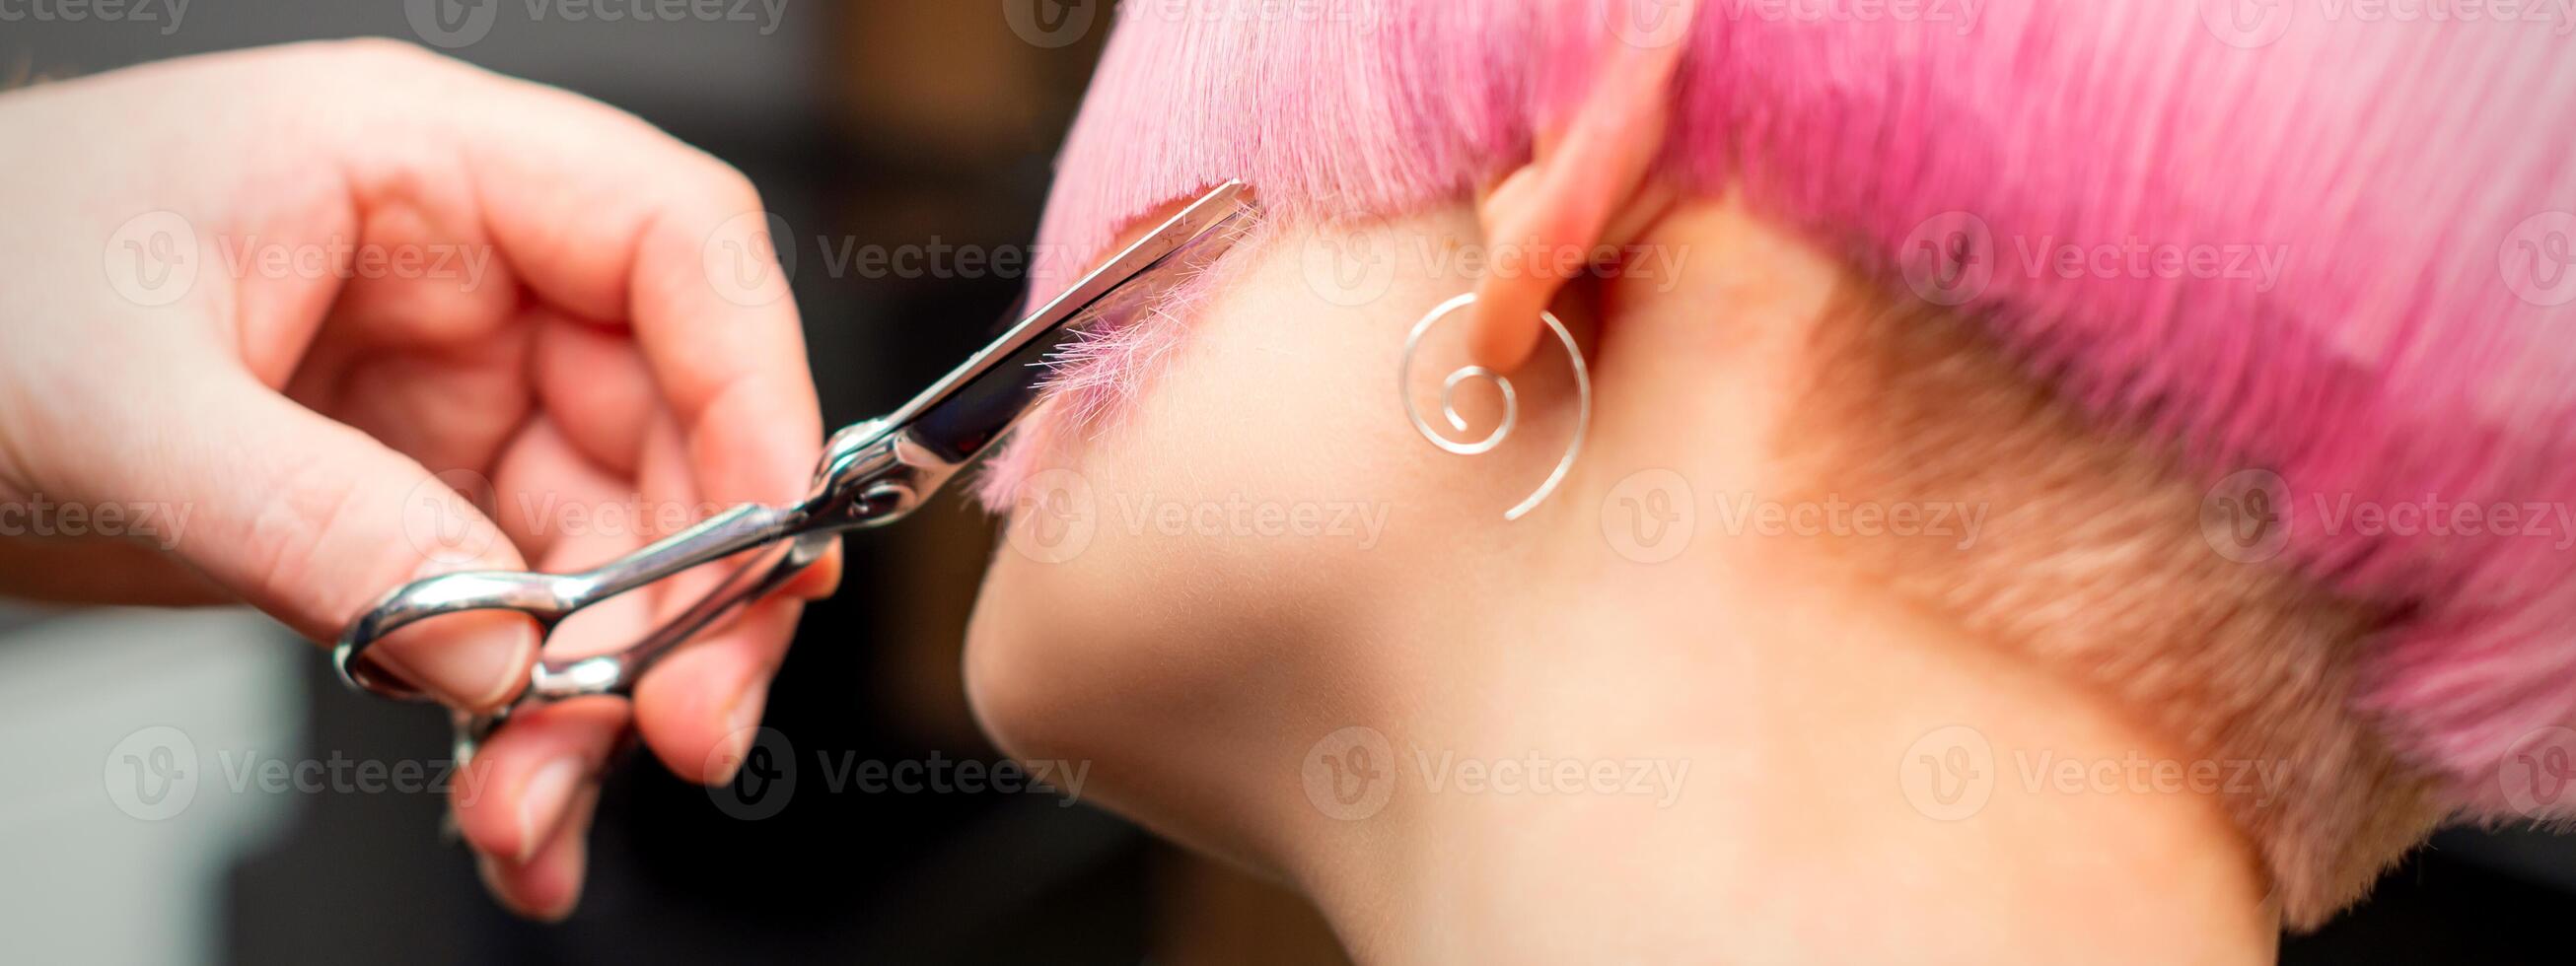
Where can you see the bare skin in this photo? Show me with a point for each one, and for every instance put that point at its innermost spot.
(271, 292)
(1210, 673)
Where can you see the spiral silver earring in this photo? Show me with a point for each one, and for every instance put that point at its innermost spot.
(1511, 400)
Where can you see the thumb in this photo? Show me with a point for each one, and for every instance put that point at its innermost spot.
(311, 521)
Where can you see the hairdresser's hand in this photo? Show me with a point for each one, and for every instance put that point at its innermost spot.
(255, 301)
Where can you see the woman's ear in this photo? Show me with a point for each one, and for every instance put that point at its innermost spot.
(1586, 179)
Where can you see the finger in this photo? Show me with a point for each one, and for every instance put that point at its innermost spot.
(547, 886)
(595, 385)
(557, 177)
(697, 709)
(549, 492)
(700, 708)
(456, 407)
(311, 521)
(537, 768)
(524, 782)
(690, 267)
(590, 523)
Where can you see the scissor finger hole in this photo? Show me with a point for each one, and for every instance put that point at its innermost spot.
(472, 659)
(604, 628)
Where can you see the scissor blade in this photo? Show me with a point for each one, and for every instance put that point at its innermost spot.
(972, 407)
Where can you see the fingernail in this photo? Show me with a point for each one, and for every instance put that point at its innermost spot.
(829, 582)
(488, 869)
(470, 666)
(742, 725)
(542, 802)
(585, 809)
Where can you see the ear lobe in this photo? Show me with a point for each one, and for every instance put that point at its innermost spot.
(1542, 221)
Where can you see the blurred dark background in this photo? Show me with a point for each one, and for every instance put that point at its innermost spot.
(885, 123)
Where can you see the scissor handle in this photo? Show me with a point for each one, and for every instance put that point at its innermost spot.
(550, 598)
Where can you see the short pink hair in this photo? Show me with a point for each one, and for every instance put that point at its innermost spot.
(2417, 176)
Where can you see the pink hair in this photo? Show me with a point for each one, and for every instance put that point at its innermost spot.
(2407, 171)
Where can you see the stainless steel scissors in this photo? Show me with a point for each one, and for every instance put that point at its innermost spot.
(872, 474)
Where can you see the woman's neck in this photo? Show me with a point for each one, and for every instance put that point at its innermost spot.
(1615, 775)
(1737, 754)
